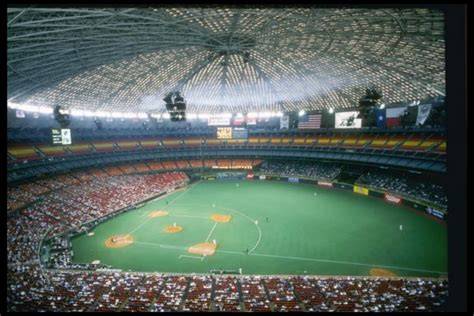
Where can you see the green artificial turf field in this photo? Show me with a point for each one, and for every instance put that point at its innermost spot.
(335, 232)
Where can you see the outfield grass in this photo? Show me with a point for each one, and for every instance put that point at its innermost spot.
(334, 233)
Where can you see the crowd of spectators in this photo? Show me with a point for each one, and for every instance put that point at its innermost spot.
(316, 170)
(370, 295)
(171, 295)
(199, 294)
(281, 293)
(62, 207)
(254, 295)
(56, 290)
(71, 206)
(75, 201)
(32, 289)
(19, 197)
(30, 192)
(430, 192)
(60, 253)
(227, 295)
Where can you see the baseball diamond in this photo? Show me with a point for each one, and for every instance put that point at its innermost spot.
(337, 233)
(219, 158)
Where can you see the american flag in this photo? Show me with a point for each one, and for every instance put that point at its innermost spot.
(309, 121)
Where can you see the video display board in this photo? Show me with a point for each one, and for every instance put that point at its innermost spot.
(232, 133)
(224, 133)
(61, 136)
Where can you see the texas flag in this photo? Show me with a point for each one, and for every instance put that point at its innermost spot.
(393, 116)
(380, 117)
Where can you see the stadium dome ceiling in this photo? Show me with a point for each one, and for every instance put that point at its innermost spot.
(222, 59)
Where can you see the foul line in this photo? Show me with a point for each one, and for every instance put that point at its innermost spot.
(215, 224)
(140, 226)
(330, 261)
(345, 262)
(159, 245)
(298, 258)
(253, 221)
(192, 257)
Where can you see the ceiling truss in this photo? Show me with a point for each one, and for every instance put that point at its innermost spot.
(127, 59)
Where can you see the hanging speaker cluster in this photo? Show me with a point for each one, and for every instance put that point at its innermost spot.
(176, 106)
(63, 119)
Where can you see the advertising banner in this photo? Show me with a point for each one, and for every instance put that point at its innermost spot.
(434, 212)
(343, 186)
(230, 175)
(285, 122)
(250, 176)
(262, 177)
(216, 121)
(295, 180)
(251, 120)
(238, 121)
(392, 198)
(423, 113)
(348, 120)
(361, 190)
(325, 184)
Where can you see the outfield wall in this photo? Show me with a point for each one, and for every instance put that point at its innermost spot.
(388, 197)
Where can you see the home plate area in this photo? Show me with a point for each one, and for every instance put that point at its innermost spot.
(205, 248)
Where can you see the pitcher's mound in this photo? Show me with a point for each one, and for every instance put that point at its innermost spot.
(382, 272)
(221, 218)
(206, 248)
(173, 229)
(157, 214)
(119, 241)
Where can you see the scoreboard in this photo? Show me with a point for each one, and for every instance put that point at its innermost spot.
(232, 133)
(61, 136)
(224, 133)
(240, 133)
